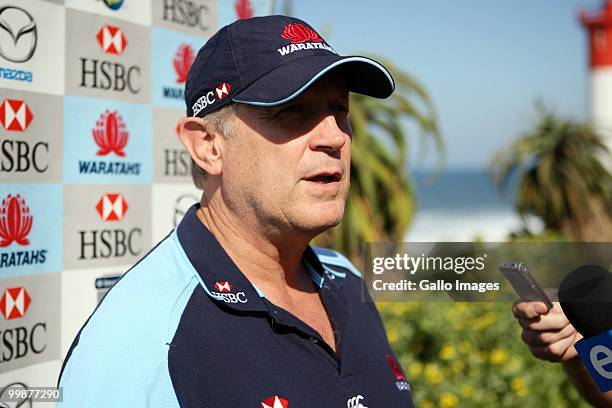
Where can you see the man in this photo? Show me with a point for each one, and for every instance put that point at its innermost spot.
(551, 337)
(234, 308)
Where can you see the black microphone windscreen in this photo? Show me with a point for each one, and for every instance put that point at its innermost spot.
(585, 295)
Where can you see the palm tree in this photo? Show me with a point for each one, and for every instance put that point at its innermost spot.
(561, 177)
(381, 200)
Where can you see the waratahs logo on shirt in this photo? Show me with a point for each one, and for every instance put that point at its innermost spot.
(400, 378)
(110, 134)
(16, 223)
(243, 9)
(111, 207)
(15, 115)
(302, 37)
(183, 58)
(274, 402)
(111, 39)
(15, 303)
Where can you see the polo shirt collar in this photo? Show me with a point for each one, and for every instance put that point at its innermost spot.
(221, 278)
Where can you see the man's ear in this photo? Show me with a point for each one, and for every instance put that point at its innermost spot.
(204, 145)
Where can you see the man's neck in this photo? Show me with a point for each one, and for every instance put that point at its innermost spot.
(268, 263)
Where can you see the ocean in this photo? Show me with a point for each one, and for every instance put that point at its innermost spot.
(461, 205)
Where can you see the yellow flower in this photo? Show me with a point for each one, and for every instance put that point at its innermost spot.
(457, 366)
(465, 347)
(447, 352)
(427, 404)
(414, 369)
(518, 386)
(499, 357)
(448, 400)
(467, 391)
(484, 321)
(433, 375)
(392, 335)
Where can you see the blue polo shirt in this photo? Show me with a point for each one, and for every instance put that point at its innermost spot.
(185, 327)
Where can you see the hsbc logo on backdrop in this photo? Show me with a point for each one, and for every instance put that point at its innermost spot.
(110, 75)
(111, 207)
(15, 115)
(16, 223)
(111, 39)
(105, 243)
(110, 134)
(24, 340)
(275, 402)
(20, 155)
(14, 303)
(187, 13)
(302, 37)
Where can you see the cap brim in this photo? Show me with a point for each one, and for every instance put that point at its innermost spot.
(363, 76)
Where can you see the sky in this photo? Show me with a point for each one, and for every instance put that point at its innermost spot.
(483, 62)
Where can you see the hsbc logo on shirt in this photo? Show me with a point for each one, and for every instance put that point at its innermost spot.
(274, 402)
(223, 289)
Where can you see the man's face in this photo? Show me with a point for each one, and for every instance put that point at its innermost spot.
(289, 165)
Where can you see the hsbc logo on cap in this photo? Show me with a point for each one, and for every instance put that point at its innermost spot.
(223, 90)
(111, 207)
(275, 402)
(224, 286)
(14, 303)
(208, 99)
(111, 39)
(15, 115)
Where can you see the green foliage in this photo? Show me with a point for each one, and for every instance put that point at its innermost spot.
(471, 355)
(381, 200)
(560, 171)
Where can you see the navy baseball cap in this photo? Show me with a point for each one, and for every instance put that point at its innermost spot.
(267, 61)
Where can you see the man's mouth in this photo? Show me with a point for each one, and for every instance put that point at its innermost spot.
(325, 177)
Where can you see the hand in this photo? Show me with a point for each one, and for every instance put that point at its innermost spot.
(549, 335)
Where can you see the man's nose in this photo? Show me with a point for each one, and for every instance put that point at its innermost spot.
(327, 135)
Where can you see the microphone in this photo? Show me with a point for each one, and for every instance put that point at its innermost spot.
(585, 295)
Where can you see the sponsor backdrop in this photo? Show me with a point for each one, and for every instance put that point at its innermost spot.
(92, 172)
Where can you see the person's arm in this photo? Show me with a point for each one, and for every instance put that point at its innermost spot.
(551, 337)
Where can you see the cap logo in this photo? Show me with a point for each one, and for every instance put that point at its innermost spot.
(299, 33)
(302, 38)
(223, 90)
